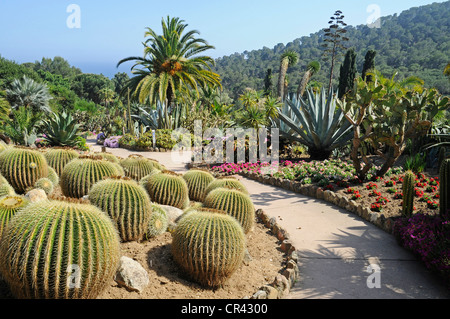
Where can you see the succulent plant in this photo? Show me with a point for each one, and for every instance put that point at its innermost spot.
(22, 167)
(197, 181)
(409, 183)
(444, 188)
(158, 222)
(109, 156)
(53, 176)
(80, 174)
(234, 203)
(45, 184)
(58, 157)
(9, 206)
(126, 202)
(316, 123)
(137, 167)
(5, 187)
(144, 180)
(208, 246)
(75, 251)
(226, 181)
(168, 188)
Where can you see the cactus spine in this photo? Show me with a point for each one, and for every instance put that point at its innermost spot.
(75, 251)
(168, 188)
(226, 181)
(127, 203)
(80, 174)
(209, 247)
(137, 167)
(9, 206)
(444, 188)
(197, 181)
(158, 222)
(234, 203)
(58, 158)
(409, 183)
(22, 167)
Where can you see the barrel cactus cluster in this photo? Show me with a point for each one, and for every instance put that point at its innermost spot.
(76, 251)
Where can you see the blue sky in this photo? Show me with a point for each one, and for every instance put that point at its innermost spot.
(112, 30)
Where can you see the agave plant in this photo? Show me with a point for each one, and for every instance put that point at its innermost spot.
(315, 122)
(162, 117)
(62, 130)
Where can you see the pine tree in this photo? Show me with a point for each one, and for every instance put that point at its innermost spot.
(348, 73)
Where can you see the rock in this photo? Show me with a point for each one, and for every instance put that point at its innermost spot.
(36, 195)
(320, 193)
(131, 275)
(173, 213)
(260, 294)
(282, 285)
(271, 292)
(247, 258)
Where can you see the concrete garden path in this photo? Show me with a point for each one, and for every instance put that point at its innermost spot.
(335, 247)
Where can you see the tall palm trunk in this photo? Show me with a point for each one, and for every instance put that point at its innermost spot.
(282, 77)
(304, 82)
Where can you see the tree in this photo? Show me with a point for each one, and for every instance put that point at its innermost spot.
(171, 63)
(335, 41)
(120, 80)
(369, 65)
(29, 94)
(268, 85)
(348, 73)
(313, 68)
(57, 65)
(288, 59)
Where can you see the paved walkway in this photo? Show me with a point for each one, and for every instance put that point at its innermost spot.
(335, 247)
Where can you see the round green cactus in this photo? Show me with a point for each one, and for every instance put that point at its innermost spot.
(158, 222)
(126, 202)
(5, 187)
(75, 251)
(168, 188)
(137, 167)
(208, 246)
(80, 174)
(53, 176)
(226, 181)
(109, 156)
(144, 180)
(45, 184)
(234, 203)
(57, 158)
(197, 181)
(9, 206)
(22, 167)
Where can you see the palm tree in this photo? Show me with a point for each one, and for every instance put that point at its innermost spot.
(313, 68)
(288, 59)
(171, 63)
(29, 94)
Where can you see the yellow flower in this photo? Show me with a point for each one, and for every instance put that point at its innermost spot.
(33, 165)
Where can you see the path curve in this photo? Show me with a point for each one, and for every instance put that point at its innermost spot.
(335, 247)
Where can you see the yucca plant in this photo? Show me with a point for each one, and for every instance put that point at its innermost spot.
(197, 181)
(234, 203)
(126, 202)
(9, 206)
(315, 122)
(58, 158)
(208, 246)
(22, 167)
(75, 251)
(80, 174)
(61, 130)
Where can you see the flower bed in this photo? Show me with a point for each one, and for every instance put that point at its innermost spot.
(378, 200)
